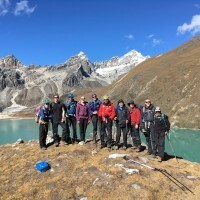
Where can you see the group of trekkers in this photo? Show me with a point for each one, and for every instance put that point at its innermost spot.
(134, 118)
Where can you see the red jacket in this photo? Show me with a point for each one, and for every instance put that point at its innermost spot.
(107, 111)
(134, 116)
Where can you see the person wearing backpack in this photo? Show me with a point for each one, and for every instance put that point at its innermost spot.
(70, 106)
(122, 119)
(94, 106)
(146, 123)
(106, 114)
(58, 111)
(161, 128)
(83, 118)
(44, 116)
(134, 125)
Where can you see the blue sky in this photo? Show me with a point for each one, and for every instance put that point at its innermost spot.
(46, 32)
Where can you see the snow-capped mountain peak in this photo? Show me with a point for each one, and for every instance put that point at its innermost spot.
(117, 66)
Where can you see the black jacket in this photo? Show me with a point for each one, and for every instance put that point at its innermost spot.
(122, 115)
(161, 123)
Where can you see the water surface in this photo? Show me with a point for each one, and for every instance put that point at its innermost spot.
(186, 142)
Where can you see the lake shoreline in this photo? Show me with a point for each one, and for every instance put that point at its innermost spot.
(30, 116)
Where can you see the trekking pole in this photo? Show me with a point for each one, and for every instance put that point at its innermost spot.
(164, 172)
(172, 148)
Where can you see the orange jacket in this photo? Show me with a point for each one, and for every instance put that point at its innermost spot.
(107, 111)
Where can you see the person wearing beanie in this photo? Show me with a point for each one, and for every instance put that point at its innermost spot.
(122, 119)
(134, 125)
(94, 106)
(44, 118)
(106, 114)
(70, 113)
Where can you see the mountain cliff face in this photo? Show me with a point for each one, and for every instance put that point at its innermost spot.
(29, 86)
(171, 81)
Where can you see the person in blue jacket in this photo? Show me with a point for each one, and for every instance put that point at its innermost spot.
(94, 105)
(44, 120)
(70, 106)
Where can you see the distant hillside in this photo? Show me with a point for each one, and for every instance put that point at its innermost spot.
(171, 81)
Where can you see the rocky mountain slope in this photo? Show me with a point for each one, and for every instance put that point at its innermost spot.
(77, 173)
(171, 81)
(29, 86)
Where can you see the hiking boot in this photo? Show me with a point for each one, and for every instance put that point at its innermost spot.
(124, 148)
(109, 149)
(148, 153)
(64, 143)
(138, 149)
(81, 143)
(153, 156)
(134, 147)
(74, 141)
(160, 159)
(102, 146)
(116, 147)
(56, 144)
(94, 141)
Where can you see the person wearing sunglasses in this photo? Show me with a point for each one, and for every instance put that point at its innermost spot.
(146, 125)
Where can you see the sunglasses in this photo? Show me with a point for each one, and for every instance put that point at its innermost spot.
(147, 102)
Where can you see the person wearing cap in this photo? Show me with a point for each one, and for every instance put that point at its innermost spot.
(58, 111)
(83, 118)
(94, 106)
(106, 114)
(161, 128)
(44, 117)
(146, 123)
(122, 119)
(134, 125)
(70, 113)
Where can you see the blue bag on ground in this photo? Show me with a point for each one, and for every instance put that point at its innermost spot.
(42, 166)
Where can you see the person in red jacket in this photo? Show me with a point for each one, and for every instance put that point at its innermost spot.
(134, 125)
(106, 115)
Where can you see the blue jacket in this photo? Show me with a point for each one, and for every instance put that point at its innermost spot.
(94, 106)
(70, 107)
(45, 114)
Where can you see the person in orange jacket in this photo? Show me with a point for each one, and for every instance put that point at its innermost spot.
(106, 114)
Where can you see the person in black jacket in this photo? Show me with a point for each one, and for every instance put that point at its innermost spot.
(58, 111)
(161, 128)
(122, 119)
(146, 123)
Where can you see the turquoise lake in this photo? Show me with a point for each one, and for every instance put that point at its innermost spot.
(186, 142)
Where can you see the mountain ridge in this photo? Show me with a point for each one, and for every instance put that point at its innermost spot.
(30, 85)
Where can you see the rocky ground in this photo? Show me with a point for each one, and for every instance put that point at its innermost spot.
(78, 172)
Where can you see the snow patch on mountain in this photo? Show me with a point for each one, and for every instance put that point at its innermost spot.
(117, 66)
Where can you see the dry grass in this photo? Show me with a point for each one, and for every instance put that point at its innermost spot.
(75, 170)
